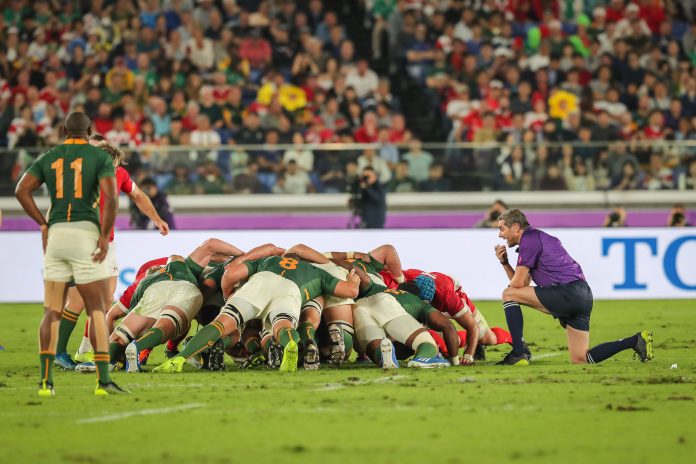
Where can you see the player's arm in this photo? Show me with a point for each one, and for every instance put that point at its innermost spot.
(440, 323)
(261, 251)
(235, 272)
(350, 287)
(144, 204)
(308, 254)
(107, 185)
(344, 255)
(23, 192)
(211, 247)
(387, 254)
(468, 323)
(521, 277)
(115, 313)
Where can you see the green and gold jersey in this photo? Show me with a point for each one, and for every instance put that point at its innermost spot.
(373, 267)
(71, 172)
(412, 304)
(214, 272)
(311, 280)
(186, 270)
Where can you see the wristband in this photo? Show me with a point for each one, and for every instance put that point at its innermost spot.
(350, 255)
(43, 226)
(505, 263)
(454, 360)
(328, 255)
(468, 357)
(400, 279)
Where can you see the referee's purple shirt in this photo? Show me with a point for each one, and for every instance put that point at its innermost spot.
(548, 262)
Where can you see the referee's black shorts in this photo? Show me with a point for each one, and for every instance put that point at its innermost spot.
(570, 303)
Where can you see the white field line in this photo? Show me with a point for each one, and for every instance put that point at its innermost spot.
(544, 356)
(142, 412)
(339, 386)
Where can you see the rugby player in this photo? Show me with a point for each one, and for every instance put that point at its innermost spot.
(561, 291)
(75, 305)
(165, 303)
(275, 291)
(75, 240)
(399, 313)
(446, 295)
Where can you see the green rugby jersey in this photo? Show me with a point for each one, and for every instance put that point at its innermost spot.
(186, 270)
(214, 272)
(71, 172)
(373, 267)
(311, 280)
(412, 304)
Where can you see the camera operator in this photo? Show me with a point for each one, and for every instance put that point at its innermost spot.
(491, 218)
(677, 216)
(369, 200)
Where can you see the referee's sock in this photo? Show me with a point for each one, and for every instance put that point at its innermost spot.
(606, 350)
(515, 322)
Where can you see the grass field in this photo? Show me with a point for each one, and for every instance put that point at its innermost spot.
(620, 411)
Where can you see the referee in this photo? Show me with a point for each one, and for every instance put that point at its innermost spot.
(561, 291)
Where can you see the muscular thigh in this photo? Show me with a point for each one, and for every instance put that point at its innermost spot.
(526, 296)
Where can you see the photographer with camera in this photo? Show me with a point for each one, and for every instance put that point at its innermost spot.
(677, 217)
(368, 200)
(617, 218)
(491, 218)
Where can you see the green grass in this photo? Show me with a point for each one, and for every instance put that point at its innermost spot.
(620, 411)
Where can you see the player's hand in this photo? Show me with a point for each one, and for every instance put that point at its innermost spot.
(465, 361)
(501, 254)
(44, 237)
(102, 248)
(361, 256)
(353, 277)
(162, 226)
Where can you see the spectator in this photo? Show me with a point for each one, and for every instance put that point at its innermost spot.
(553, 180)
(387, 150)
(490, 219)
(362, 79)
(629, 178)
(436, 181)
(658, 176)
(687, 179)
(419, 161)
(248, 181)
(302, 157)
(296, 181)
(181, 183)
(210, 180)
(402, 181)
(370, 159)
(159, 201)
(513, 169)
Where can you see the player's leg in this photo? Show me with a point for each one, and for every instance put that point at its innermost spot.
(171, 323)
(407, 330)
(387, 254)
(68, 321)
(310, 317)
(371, 338)
(512, 299)
(54, 301)
(84, 351)
(339, 320)
(95, 295)
(127, 332)
(252, 340)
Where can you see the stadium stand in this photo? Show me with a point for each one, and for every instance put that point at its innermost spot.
(218, 97)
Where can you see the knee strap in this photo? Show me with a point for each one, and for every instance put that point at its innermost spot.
(173, 316)
(124, 334)
(313, 305)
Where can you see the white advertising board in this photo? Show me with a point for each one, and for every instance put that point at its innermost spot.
(618, 263)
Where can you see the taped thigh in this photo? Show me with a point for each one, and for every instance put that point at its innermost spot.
(313, 305)
(171, 315)
(124, 333)
(239, 309)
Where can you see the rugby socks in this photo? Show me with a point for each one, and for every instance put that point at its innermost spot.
(286, 334)
(253, 345)
(116, 351)
(306, 331)
(347, 341)
(203, 340)
(606, 350)
(515, 322)
(46, 366)
(151, 339)
(377, 356)
(502, 335)
(426, 350)
(101, 361)
(68, 321)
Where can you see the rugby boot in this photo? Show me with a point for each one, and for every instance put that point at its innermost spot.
(290, 356)
(644, 346)
(480, 353)
(254, 360)
(87, 356)
(389, 361)
(106, 389)
(171, 366)
(144, 356)
(429, 363)
(216, 356)
(132, 359)
(275, 355)
(46, 390)
(512, 359)
(338, 345)
(310, 355)
(64, 361)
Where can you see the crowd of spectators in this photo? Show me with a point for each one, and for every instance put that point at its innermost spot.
(539, 77)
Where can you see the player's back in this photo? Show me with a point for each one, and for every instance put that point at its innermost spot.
(71, 172)
(412, 304)
(311, 280)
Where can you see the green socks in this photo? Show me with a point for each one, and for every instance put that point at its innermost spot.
(68, 320)
(101, 361)
(46, 368)
(152, 338)
(203, 340)
(253, 345)
(426, 350)
(116, 352)
(286, 334)
(307, 331)
(348, 342)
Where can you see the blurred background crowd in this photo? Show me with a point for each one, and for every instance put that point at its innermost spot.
(243, 96)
